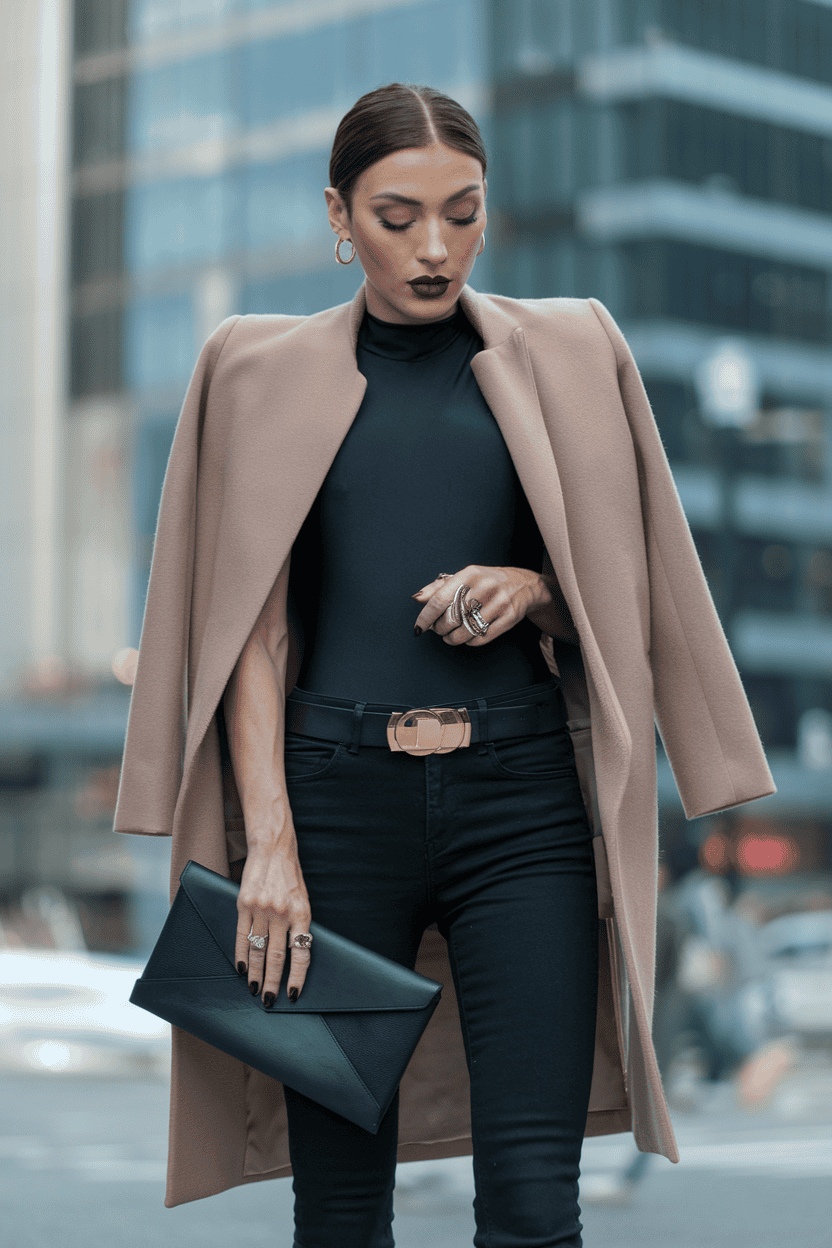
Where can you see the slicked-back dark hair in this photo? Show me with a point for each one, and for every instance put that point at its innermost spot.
(394, 117)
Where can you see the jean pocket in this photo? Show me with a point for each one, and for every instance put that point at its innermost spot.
(309, 758)
(541, 756)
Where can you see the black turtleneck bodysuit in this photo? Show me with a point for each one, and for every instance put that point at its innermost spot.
(423, 483)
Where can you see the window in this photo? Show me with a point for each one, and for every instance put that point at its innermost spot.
(159, 346)
(95, 361)
(666, 138)
(181, 221)
(715, 287)
(98, 121)
(100, 26)
(284, 202)
(793, 36)
(177, 105)
(97, 236)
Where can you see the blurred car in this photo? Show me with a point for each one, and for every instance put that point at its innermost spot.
(68, 1012)
(797, 949)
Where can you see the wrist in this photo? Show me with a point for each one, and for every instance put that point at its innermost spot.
(543, 594)
(266, 838)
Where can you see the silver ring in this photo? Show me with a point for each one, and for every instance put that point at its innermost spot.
(481, 626)
(475, 632)
(454, 612)
(474, 613)
(300, 940)
(259, 942)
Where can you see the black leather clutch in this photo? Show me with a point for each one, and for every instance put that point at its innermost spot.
(344, 1043)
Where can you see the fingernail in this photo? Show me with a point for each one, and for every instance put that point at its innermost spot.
(416, 630)
(293, 994)
(253, 986)
(241, 967)
(268, 999)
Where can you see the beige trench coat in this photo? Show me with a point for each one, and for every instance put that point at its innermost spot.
(635, 638)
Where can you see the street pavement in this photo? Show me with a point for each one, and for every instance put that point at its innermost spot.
(82, 1162)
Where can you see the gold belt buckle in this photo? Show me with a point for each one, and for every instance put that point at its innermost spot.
(429, 730)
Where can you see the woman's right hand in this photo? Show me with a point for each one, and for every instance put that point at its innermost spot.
(272, 902)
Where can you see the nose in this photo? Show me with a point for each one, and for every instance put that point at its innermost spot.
(432, 249)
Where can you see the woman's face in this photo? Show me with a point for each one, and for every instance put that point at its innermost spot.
(417, 215)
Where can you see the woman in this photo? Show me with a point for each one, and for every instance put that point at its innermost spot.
(430, 500)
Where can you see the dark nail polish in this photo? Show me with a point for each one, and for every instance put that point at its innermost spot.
(241, 967)
(416, 630)
(268, 999)
(293, 994)
(253, 986)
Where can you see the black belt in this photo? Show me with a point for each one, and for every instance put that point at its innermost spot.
(362, 723)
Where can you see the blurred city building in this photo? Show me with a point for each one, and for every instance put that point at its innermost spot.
(195, 153)
(674, 159)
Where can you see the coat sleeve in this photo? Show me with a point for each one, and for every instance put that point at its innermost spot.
(151, 767)
(700, 705)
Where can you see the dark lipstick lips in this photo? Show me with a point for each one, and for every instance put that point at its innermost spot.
(429, 281)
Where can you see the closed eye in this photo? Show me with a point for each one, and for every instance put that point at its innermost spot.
(388, 225)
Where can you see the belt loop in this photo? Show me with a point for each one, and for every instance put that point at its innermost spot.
(482, 709)
(356, 727)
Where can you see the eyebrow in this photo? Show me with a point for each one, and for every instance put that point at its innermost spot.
(405, 199)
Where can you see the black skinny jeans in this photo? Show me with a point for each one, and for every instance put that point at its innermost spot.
(492, 843)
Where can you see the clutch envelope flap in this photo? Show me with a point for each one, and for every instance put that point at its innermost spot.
(342, 977)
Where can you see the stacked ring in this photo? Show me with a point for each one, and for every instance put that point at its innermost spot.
(456, 610)
(460, 611)
(474, 614)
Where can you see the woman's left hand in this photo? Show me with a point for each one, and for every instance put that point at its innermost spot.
(507, 596)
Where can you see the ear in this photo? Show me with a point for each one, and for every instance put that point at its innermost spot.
(336, 211)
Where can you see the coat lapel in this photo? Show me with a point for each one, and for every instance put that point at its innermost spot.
(313, 370)
(301, 395)
(504, 374)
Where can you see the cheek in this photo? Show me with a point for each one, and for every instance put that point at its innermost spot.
(470, 247)
(377, 255)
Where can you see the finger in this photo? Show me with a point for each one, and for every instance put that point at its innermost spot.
(242, 948)
(427, 590)
(301, 959)
(275, 960)
(443, 623)
(248, 955)
(461, 636)
(439, 602)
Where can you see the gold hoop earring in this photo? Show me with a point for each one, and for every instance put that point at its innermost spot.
(482, 248)
(338, 254)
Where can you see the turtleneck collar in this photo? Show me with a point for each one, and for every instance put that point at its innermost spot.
(411, 342)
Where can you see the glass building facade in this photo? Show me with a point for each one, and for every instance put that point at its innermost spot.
(675, 160)
(202, 134)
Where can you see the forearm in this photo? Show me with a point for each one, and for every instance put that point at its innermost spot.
(254, 708)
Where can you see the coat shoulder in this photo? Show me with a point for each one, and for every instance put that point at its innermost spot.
(534, 310)
(573, 320)
(256, 334)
